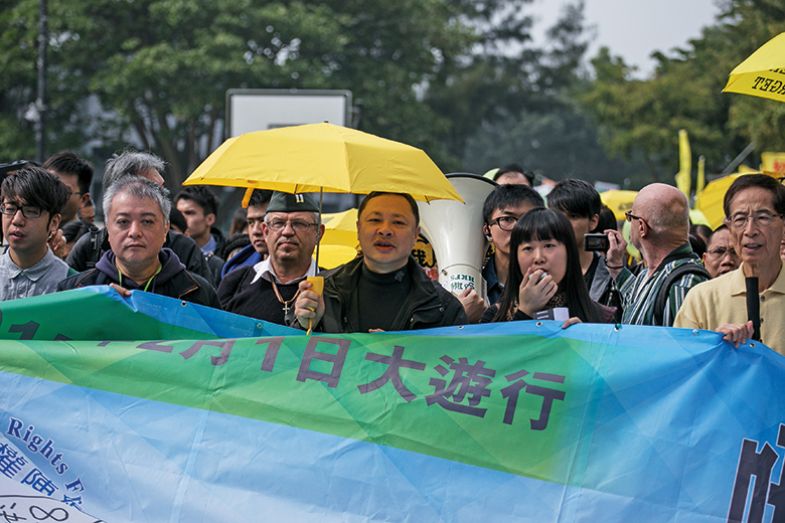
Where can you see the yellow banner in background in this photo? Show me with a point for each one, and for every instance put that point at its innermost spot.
(773, 163)
(683, 177)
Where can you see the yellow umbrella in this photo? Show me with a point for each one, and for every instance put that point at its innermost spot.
(339, 243)
(762, 73)
(619, 201)
(323, 157)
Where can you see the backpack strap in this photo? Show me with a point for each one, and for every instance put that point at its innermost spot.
(674, 276)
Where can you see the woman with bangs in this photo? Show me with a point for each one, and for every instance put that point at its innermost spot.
(545, 273)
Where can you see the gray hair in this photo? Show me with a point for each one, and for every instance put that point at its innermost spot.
(130, 163)
(140, 188)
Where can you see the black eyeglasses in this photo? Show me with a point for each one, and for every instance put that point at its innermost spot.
(629, 217)
(505, 223)
(28, 211)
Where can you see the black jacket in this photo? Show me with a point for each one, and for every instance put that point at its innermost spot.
(89, 248)
(428, 304)
(173, 280)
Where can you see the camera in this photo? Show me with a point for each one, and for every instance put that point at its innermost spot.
(596, 242)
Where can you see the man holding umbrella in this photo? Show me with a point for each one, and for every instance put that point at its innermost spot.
(754, 209)
(383, 289)
(268, 289)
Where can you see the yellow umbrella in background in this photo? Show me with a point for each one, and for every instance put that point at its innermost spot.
(619, 201)
(339, 243)
(762, 74)
(323, 157)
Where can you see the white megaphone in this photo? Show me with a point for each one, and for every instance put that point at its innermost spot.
(455, 231)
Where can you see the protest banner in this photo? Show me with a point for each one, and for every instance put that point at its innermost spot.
(519, 421)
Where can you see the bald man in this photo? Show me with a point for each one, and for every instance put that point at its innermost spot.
(659, 220)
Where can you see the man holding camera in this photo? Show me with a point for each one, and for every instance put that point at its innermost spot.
(660, 224)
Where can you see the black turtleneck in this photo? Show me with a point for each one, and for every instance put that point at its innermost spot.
(380, 297)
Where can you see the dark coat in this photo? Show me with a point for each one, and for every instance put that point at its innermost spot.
(428, 304)
(173, 280)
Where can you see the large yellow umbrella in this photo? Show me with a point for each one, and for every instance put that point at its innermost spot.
(323, 157)
(762, 73)
(618, 201)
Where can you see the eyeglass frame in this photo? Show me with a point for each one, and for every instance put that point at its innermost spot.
(497, 221)
(725, 251)
(629, 217)
(755, 218)
(298, 226)
(26, 210)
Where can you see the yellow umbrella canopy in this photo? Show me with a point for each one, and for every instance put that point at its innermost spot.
(618, 201)
(762, 74)
(339, 243)
(323, 157)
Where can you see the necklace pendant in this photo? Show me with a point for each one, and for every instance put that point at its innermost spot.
(285, 309)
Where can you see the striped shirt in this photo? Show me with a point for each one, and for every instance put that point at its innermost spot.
(639, 293)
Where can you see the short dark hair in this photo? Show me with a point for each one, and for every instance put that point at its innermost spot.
(509, 196)
(177, 219)
(576, 197)
(260, 197)
(756, 180)
(607, 220)
(36, 187)
(405, 196)
(66, 162)
(201, 196)
(514, 168)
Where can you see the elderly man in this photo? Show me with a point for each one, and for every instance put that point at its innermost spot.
(754, 208)
(268, 289)
(137, 220)
(31, 203)
(88, 249)
(720, 256)
(659, 221)
(384, 289)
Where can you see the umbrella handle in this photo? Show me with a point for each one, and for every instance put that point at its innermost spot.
(317, 286)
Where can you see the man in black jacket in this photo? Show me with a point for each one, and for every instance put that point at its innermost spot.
(137, 212)
(88, 249)
(384, 289)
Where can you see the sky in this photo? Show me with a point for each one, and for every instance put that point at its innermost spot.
(634, 29)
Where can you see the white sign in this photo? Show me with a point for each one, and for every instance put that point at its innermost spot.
(260, 109)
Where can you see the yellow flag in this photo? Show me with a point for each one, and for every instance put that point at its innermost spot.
(701, 182)
(683, 177)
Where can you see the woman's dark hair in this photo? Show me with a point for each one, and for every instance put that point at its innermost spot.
(547, 224)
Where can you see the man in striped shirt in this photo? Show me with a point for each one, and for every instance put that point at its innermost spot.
(659, 221)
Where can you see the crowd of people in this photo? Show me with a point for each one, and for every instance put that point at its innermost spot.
(544, 258)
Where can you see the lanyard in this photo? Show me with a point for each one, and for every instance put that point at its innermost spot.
(146, 285)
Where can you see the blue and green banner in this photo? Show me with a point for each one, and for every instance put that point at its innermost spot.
(519, 421)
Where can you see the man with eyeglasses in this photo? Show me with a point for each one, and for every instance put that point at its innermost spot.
(31, 203)
(659, 229)
(720, 256)
(501, 211)
(754, 207)
(268, 289)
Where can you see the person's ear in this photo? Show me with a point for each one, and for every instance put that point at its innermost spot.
(84, 199)
(593, 222)
(54, 223)
(486, 231)
(210, 219)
